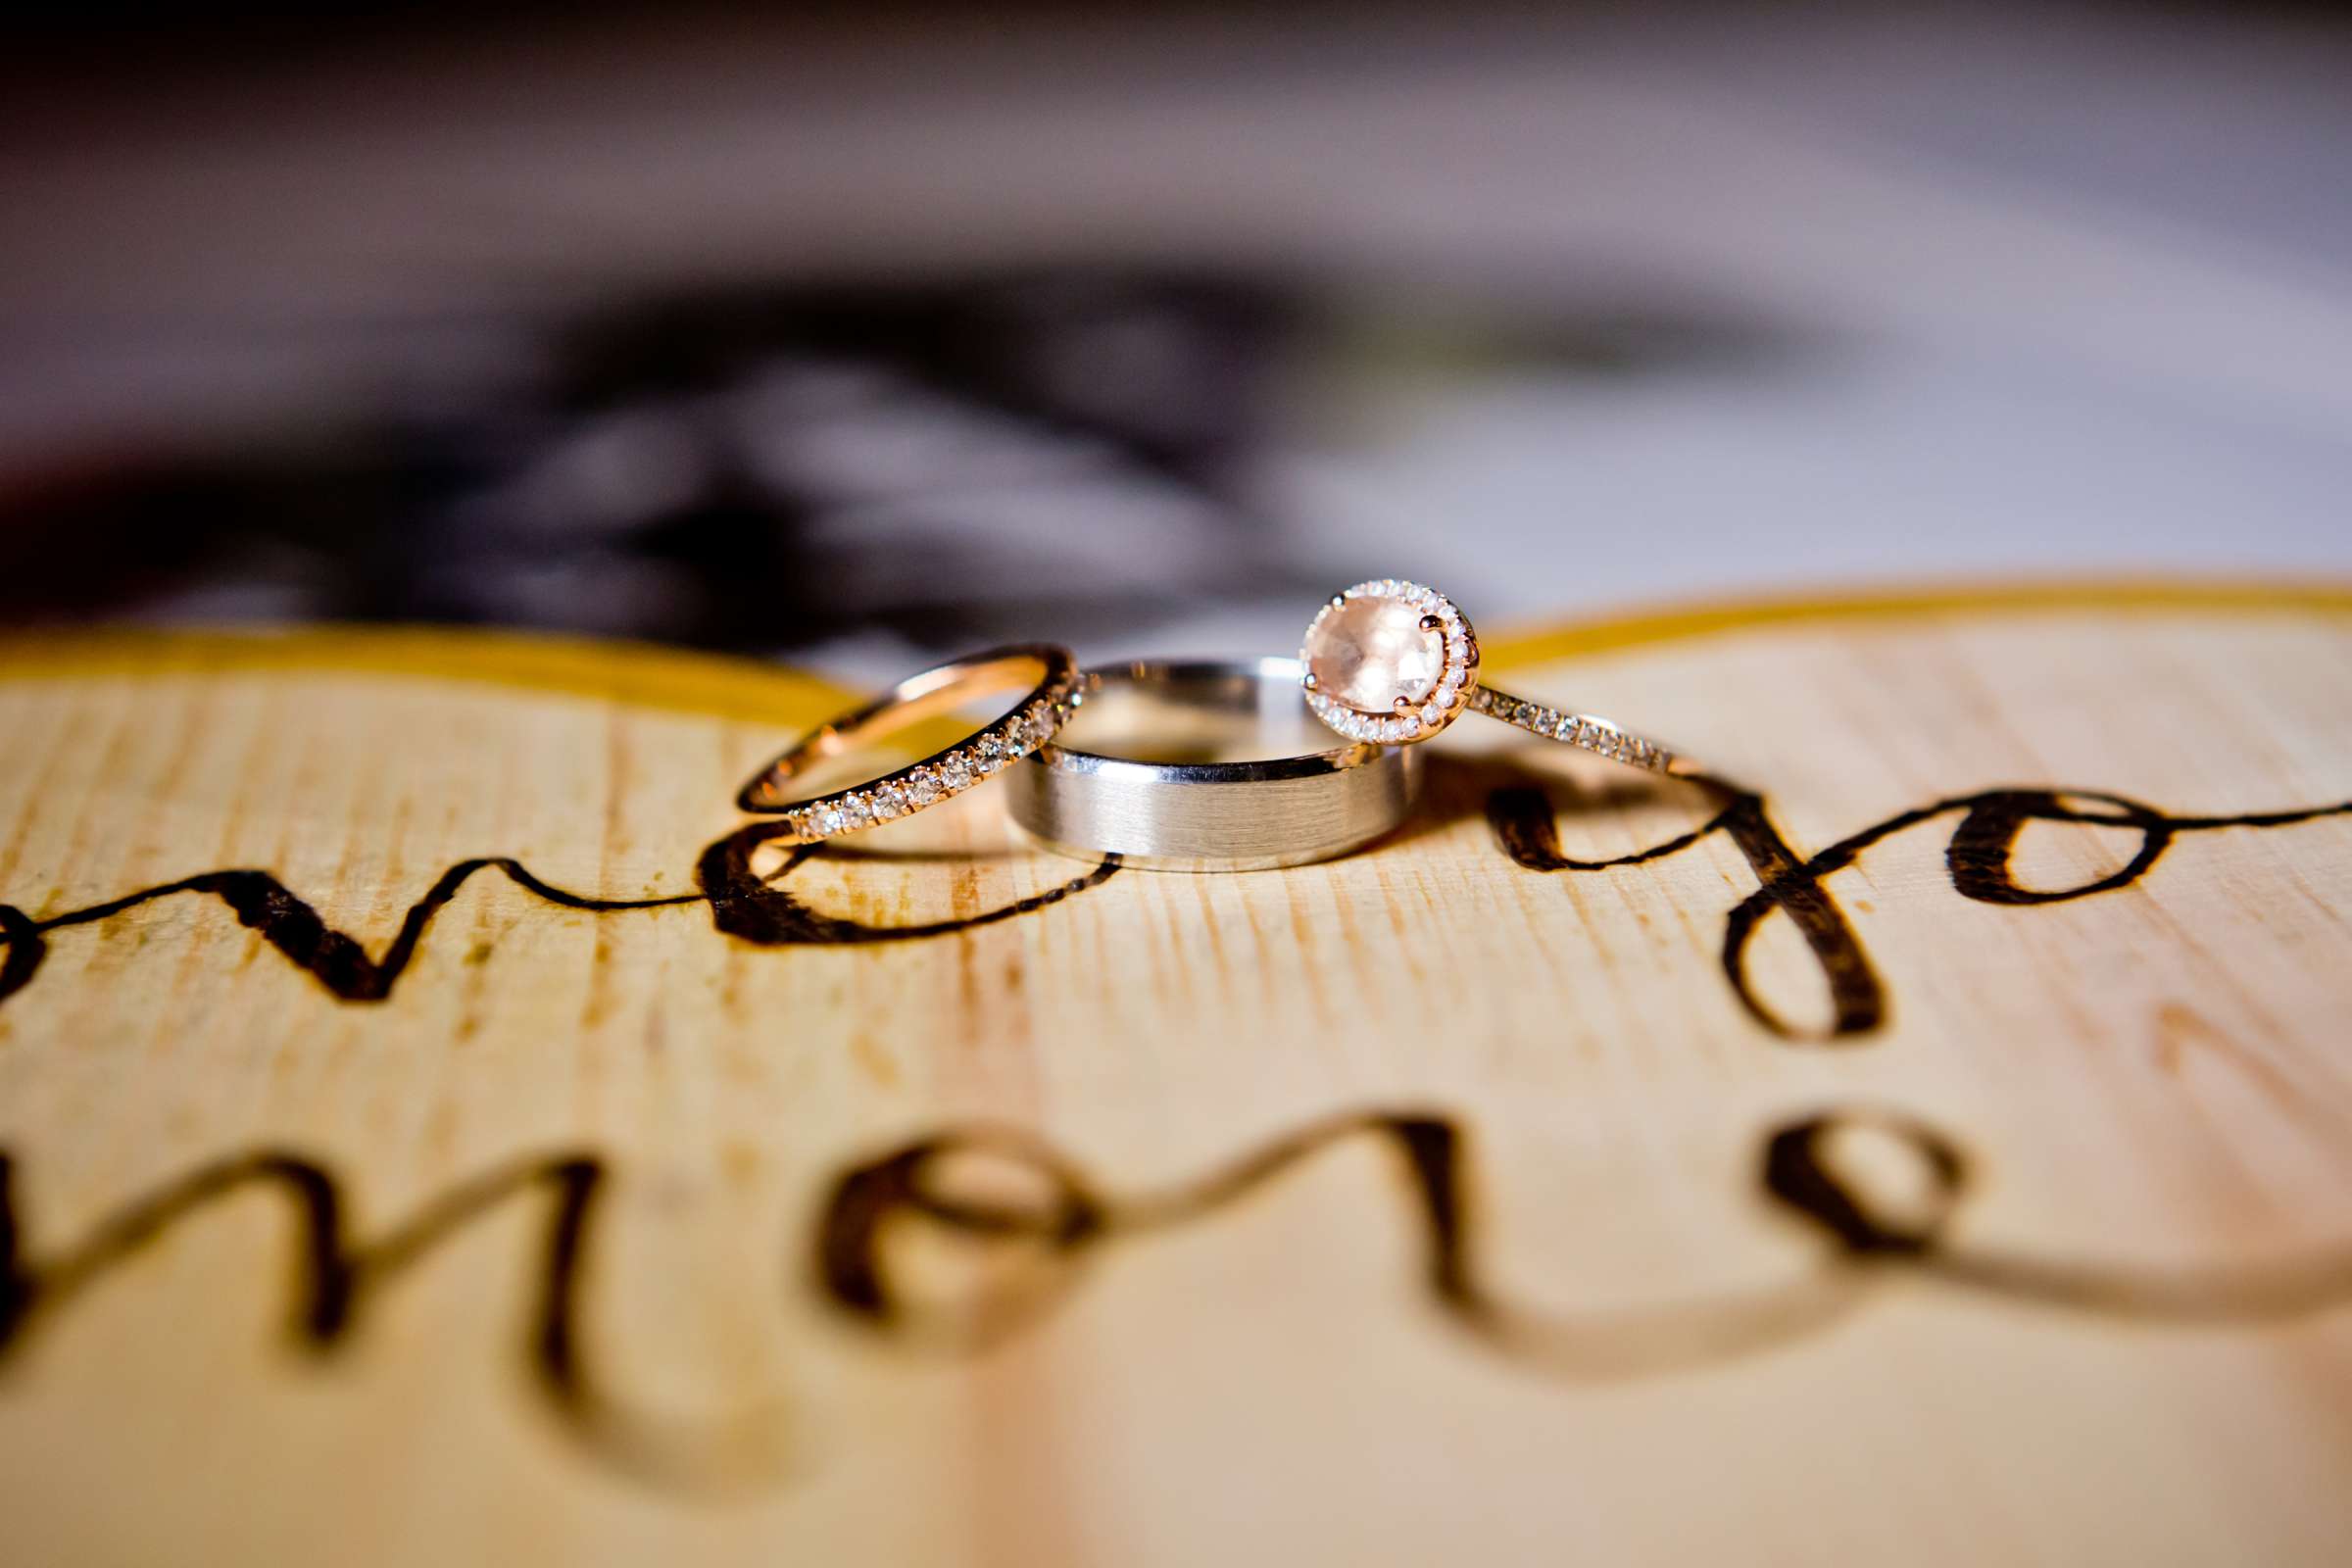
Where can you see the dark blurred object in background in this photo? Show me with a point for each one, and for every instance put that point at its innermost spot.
(752, 471)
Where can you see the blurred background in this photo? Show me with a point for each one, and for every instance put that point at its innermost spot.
(869, 332)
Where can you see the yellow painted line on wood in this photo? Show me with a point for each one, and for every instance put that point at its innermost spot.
(639, 675)
(1681, 623)
(649, 675)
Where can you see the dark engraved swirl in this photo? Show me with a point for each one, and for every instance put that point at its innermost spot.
(1978, 861)
(1062, 1220)
(862, 1237)
(742, 905)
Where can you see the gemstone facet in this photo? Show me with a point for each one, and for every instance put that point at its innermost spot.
(1389, 663)
(1368, 653)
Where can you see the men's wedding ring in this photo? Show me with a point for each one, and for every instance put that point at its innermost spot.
(1214, 765)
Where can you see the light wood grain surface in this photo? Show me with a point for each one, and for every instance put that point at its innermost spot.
(1938, 1220)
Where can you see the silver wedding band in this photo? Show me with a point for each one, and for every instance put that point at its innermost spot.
(1206, 766)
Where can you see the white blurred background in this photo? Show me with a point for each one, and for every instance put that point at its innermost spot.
(847, 341)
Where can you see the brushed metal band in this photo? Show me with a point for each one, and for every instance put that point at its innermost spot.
(1208, 765)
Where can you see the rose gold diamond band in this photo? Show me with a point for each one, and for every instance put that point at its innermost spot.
(1600, 736)
(1047, 676)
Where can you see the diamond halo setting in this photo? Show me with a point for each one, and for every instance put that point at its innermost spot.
(1388, 662)
(1391, 663)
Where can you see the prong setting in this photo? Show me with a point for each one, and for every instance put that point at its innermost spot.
(1438, 679)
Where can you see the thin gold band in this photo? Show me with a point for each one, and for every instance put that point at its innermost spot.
(1603, 737)
(1048, 672)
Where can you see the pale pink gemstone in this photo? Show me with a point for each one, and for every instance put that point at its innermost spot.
(1370, 651)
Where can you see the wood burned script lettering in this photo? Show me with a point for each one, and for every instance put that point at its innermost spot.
(851, 1253)
(849, 1257)
(754, 909)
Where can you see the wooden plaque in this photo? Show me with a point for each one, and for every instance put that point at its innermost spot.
(438, 1130)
